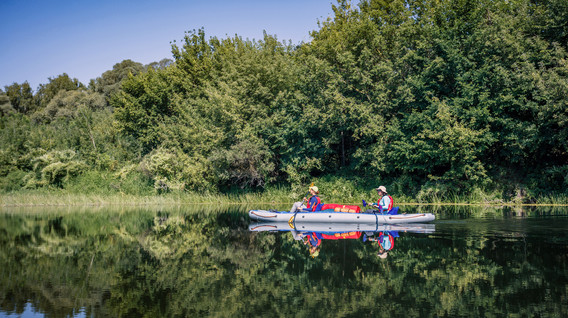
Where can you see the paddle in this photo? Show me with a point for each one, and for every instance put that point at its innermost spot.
(372, 204)
(365, 203)
(394, 210)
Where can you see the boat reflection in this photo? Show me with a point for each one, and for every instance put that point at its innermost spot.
(312, 234)
(341, 227)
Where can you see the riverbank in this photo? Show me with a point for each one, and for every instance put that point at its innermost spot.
(276, 196)
(61, 198)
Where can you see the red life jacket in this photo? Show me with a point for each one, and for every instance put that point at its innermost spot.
(386, 245)
(342, 236)
(390, 205)
(313, 208)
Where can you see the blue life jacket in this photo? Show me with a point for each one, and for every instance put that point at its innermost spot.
(315, 239)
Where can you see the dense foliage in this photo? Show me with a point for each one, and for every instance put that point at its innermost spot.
(431, 98)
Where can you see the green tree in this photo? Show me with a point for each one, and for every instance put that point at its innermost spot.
(69, 104)
(162, 64)
(109, 82)
(5, 105)
(21, 97)
(46, 92)
(413, 87)
(143, 104)
(221, 93)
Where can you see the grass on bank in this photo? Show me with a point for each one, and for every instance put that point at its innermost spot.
(271, 195)
(94, 188)
(64, 198)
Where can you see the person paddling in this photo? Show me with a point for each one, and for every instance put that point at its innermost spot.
(306, 204)
(385, 202)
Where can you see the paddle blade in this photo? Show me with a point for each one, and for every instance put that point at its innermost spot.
(364, 203)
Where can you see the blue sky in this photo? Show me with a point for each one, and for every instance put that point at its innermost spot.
(42, 39)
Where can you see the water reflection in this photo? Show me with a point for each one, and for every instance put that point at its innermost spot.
(187, 262)
(313, 234)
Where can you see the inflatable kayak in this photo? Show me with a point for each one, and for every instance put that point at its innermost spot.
(330, 216)
(340, 227)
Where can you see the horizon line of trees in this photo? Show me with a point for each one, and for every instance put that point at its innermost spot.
(422, 95)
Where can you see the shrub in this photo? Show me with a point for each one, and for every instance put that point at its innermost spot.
(13, 181)
(54, 168)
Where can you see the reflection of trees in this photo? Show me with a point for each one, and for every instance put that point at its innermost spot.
(179, 263)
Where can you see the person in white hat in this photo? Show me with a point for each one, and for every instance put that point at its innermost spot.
(308, 204)
(385, 202)
(385, 241)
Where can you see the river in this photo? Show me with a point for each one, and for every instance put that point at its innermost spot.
(201, 262)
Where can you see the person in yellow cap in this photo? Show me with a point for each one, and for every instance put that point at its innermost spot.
(308, 205)
(313, 241)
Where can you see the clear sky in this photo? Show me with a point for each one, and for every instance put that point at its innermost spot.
(45, 38)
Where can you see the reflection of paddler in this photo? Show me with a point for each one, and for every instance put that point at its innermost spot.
(314, 241)
(385, 241)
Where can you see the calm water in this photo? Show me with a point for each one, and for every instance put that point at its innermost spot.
(195, 262)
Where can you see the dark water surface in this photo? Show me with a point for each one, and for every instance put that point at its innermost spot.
(196, 262)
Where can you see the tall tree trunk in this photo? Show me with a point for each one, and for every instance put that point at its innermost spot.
(342, 150)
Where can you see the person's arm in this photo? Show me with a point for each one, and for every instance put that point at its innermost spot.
(298, 236)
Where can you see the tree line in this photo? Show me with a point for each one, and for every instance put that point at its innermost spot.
(427, 97)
